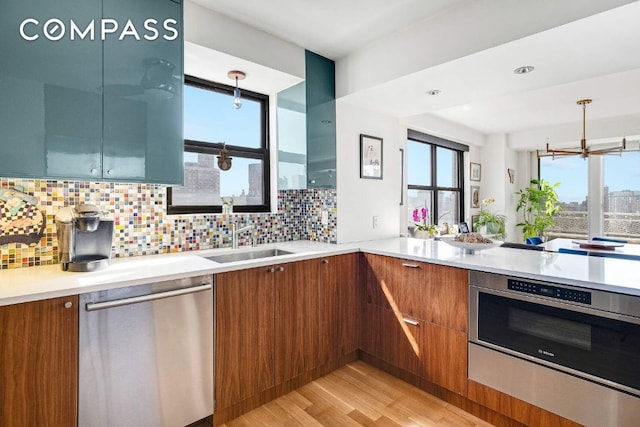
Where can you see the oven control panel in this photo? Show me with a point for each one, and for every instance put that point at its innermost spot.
(572, 295)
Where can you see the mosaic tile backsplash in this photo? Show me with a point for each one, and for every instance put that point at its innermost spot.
(142, 226)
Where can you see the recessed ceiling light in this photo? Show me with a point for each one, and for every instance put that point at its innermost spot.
(524, 70)
(433, 92)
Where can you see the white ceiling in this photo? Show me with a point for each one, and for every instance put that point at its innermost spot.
(596, 57)
(332, 28)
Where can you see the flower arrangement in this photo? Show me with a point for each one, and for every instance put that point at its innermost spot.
(420, 219)
(494, 223)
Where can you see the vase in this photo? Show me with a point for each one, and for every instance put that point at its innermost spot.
(422, 234)
(493, 227)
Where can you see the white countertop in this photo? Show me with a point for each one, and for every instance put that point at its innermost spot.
(35, 283)
(614, 275)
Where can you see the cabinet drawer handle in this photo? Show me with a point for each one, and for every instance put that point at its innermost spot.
(271, 270)
(410, 322)
(280, 268)
(325, 261)
(68, 304)
(405, 264)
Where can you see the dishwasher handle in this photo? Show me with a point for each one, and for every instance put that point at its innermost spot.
(93, 306)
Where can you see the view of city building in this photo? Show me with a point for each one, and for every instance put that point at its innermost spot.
(205, 184)
(621, 216)
(620, 203)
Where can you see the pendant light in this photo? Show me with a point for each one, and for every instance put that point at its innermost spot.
(583, 151)
(237, 75)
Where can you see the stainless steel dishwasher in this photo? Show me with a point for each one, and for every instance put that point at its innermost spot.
(146, 355)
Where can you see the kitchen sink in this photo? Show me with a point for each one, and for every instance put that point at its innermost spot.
(248, 255)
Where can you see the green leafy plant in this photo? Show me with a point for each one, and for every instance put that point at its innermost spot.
(493, 222)
(539, 203)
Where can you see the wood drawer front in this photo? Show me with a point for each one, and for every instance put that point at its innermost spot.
(429, 351)
(388, 338)
(445, 354)
(435, 293)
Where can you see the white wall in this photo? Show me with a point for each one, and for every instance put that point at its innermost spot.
(361, 199)
(496, 158)
(526, 169)
(436, 126)
(218, 32)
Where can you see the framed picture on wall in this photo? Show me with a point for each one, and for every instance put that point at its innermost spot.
(370, 157)
(474, 174)
(475, 196)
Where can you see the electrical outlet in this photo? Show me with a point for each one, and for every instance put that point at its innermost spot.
(375, 222)
(325, 218)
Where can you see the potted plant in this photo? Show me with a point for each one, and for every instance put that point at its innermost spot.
(539, 203)
(492, 222)
(422, 229)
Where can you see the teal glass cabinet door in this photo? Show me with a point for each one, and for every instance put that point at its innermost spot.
(321, 121)
(143, 78)
(50, 81)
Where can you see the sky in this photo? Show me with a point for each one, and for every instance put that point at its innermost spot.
(620, 173)
(210, 116)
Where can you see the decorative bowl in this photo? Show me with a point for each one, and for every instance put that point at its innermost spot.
(470, 248)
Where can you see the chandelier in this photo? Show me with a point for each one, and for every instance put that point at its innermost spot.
(583, 151)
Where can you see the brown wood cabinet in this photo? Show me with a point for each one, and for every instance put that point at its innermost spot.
(431, 292)
(445, 352)
(416, 318)
(244, 334)
(38, 363)
(278, 323)
(387, 337)
(296, 319)
(427, 350)
(339, 307)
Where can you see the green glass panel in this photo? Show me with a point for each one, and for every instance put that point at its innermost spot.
(51, 108)
(321, 121)
(143, 84)
(292, 138)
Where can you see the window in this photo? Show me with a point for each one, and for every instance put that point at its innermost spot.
(435, 178)
(621, 196)
(210, 121)
(618, 215)
(572, 174)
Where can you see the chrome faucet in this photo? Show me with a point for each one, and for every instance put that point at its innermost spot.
(236, 231)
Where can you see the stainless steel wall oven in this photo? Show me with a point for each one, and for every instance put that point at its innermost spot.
(570, 350)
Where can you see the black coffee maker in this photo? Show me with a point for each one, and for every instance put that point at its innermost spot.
(85, 235)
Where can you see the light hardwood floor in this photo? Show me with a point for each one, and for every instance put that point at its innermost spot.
(357, 395)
